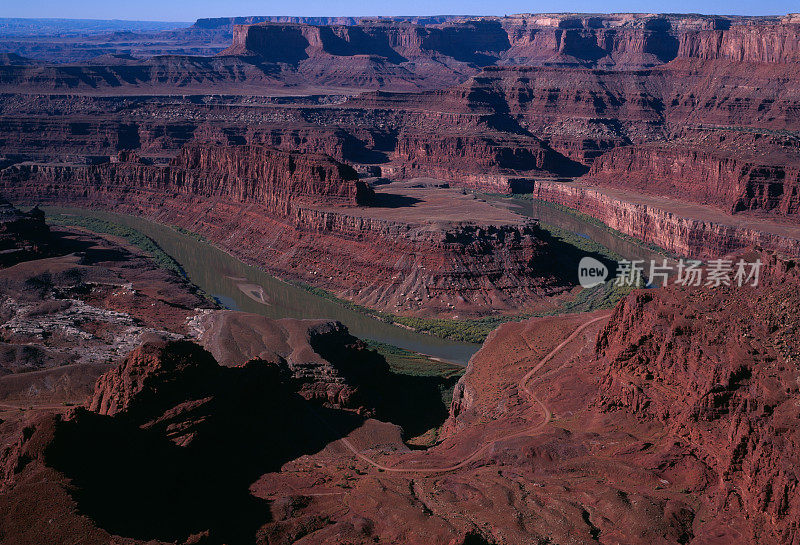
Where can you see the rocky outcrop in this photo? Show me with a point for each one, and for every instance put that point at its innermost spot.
(327, 363)
(144, 384)
(23, 235)
(160, 418)
(719, 372)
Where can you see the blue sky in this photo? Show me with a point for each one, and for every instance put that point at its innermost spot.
(189, 10)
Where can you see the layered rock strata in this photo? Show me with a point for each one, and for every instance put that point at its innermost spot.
(292, 220)
(733, 403)
(736, 172)
(243, 174)
(672, 231)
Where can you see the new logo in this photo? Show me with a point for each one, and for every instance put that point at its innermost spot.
(591, 272)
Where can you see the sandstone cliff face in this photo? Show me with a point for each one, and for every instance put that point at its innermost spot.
(420, 53)
(451, 157)
(620, 48)
(243, 174)
(734, 182)
(143, 384)
(624, 41)
(458, 42)
(683, 236)
(718, 369)
(410, 268)
(578, 112)
(747, 43)
(515, 119)
(505, 118)
(254, 174)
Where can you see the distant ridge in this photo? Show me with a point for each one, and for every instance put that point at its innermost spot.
(220, 22)
(18, 27)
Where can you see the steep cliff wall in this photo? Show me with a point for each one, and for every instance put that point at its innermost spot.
(586, 46)
(625, 41)
(501, 123)
(777, 43)
(243, 174)
(419, 53)
(269, 207)
(255, 173)
(734, 182)
(450, 156)
(578, 112)
(684, 236)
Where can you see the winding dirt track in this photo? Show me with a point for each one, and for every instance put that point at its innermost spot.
(548, 415)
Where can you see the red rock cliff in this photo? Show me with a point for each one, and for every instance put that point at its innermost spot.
(718, 368)
(681, 235)
(268, 216)
(244, 174)
(776, 43)
(706, 174)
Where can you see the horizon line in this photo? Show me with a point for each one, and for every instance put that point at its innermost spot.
(687, 13)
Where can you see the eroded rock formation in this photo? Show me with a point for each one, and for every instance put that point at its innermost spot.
(269, 207)
(709, 173)
(718, 372)
(327, 363)
(676, 232)
(242, 174)
(168, 412)
(23, 236)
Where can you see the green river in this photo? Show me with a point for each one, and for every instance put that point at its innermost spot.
(239, 286)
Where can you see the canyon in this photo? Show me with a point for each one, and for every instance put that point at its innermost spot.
(298, 216)
(581, 427)
(375, 163)
(696, 107)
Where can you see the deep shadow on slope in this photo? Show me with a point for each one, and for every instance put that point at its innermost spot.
(412, 402)
(131, 475)
(564, 259)
(392, 200)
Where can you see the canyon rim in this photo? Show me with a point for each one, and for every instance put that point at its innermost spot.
(321, 280)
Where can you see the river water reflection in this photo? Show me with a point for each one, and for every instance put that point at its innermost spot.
(241, 287)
